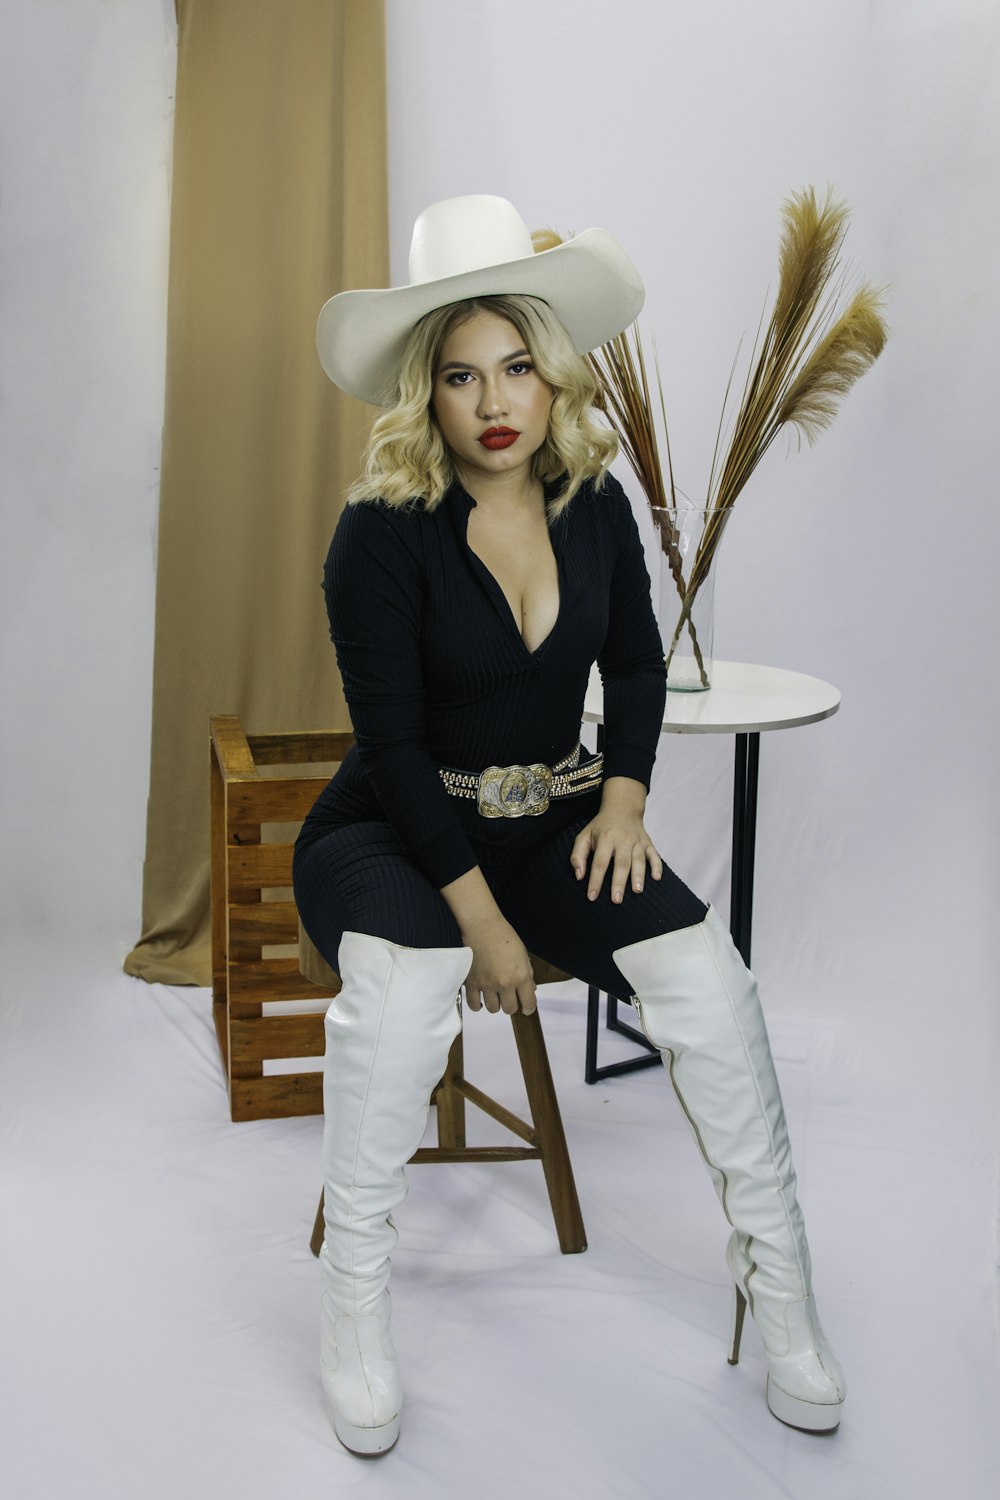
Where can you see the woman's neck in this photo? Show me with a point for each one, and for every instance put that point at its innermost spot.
(502, 492)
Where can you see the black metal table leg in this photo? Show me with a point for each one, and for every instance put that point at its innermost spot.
(649, 1058)
(744, 842)
(747, 767)
(593, 1021)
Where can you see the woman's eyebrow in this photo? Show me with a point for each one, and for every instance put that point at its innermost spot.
(462, 364)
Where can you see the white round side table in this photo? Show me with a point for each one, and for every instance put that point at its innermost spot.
(744, 700)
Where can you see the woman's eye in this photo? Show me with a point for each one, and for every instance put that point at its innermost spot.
(460, 377)
(520, 367)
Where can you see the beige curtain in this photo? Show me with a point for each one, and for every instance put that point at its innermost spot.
(278, 201)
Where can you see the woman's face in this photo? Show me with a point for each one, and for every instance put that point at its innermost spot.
(488, 399)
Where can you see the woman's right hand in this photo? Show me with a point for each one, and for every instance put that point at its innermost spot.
(501, 976)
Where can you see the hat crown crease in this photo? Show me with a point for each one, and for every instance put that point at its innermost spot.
(466, 234)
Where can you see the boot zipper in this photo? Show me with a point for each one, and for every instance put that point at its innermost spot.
(724, 1196)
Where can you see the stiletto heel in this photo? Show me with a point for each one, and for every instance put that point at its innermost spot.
(739, 1313)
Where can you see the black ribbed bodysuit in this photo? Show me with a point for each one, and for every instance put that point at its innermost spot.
(436, 674)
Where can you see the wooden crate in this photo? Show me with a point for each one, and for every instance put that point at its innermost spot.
(262, 786)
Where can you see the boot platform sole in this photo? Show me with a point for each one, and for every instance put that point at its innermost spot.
(807, 1416)
(366, 1442)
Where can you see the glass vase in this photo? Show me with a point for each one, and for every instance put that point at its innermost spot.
(688, 538)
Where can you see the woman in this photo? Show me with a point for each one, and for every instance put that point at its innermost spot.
(484, 562)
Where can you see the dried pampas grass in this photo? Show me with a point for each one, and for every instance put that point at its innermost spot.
(823, 333)
(814, 347)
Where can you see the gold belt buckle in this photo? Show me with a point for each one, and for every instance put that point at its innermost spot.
(514, 791)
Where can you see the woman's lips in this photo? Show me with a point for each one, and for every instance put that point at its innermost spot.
(499, 437)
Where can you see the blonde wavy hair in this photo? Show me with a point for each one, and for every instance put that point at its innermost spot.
(407, 459)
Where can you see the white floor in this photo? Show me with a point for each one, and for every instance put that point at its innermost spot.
(158, 1297)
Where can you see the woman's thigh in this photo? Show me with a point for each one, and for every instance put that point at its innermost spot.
(548, 907)
(357, 879)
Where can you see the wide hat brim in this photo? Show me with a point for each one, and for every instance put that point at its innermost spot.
(588, 281)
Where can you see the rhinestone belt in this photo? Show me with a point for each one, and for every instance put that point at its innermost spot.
(524, 791)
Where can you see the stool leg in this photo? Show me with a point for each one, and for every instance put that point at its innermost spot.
(450, 1106)
(449, 1102)
(547, 1121)
(316, 1241)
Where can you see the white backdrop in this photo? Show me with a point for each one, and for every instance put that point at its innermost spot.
(869, 560)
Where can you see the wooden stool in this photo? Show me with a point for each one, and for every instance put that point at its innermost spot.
(546, 1141)
(262, 786)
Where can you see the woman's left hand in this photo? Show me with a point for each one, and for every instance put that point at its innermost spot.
(617, 839)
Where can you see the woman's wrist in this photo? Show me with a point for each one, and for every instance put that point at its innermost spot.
(622, 794)
(472, 904)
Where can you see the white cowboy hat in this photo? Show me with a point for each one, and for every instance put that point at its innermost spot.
(476, 246)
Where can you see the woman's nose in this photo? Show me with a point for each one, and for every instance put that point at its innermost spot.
(491, 401)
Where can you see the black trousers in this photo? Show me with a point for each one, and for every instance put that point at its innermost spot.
(354, 877)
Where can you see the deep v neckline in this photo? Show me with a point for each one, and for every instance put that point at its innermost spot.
(500, 599)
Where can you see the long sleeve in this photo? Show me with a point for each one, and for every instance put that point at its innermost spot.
(631, 659)
(374, 586)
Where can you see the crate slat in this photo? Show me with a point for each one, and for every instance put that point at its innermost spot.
(264, 922)
(280, 800)
(310, 746)
(268, 979)
(253, 866)
(276, 1036)
(279, 1096)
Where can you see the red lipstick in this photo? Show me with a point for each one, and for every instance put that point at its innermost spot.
(498, 437)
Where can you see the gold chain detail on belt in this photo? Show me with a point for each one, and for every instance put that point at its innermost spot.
(524, 791)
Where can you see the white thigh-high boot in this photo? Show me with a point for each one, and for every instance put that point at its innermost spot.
(388, 1034)
(697, 1001)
